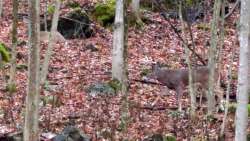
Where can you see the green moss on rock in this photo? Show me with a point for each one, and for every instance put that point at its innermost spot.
(105, 12)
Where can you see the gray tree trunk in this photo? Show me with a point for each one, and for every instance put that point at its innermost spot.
(1, 8)
(241, 120)
(51, 42)
(136, 8)
(11, 85)
(223, 125)
(212, 57)
(31, 130)
(190, 78)
(119, 57)
(118, 42)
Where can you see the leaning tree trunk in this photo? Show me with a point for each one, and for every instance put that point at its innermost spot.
(51, 42)
(119, 57)
(11, 85)
(212, 57)
(32, 99)
(241, 121)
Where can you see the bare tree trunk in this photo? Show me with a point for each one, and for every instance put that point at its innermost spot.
(119, 57)
(31, 130)
(51, 42)
(12, 85)
(118, 42)
(136, 7)
(223, 125)
(45, 15)
(241, 120)
(1, 8)
(212, 57)
(190, 78)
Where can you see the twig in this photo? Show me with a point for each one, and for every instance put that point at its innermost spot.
(232, 10)
(178, 35)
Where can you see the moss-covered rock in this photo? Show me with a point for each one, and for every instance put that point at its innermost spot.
(100, 89)
(104, 13)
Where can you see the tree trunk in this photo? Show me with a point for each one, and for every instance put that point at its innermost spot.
(51, 42)
(223, 125)
(11, 85)
(118, 42)
(31, 131)
(190, 78)
(1, 8)
(119, 57)
(241, 120)
(212, 57)
(136, 8)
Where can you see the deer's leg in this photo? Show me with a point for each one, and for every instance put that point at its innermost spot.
(179, 92)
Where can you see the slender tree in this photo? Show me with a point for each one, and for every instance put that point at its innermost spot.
(31, 114)
(212, 56)
(190, 78)
(118, 42)
(223, 125)
(11, 85)
(119, 56)
(136, 11)
(51, 43)
(241, 120)
(1, 8)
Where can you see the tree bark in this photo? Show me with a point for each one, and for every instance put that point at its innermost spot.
(51, 43)
(136, 8)
(118, 42)
(1, 8)
(190, 78)
(119, 57)
(31, 130)
(223, 125)
(212, 57)
(241, 120)
(11, 84)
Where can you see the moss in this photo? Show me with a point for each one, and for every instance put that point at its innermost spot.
(169, 137)
(51, 9)
(115, 84)
(145, 72)
(11, 88)
(4, 53)
(73, 4)
(203, 26)
(105, 12)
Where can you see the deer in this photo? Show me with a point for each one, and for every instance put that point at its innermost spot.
(178, 79)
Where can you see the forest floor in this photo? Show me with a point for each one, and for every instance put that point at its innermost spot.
(73, 69)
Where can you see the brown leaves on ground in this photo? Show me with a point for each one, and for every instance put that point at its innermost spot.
(72, 69)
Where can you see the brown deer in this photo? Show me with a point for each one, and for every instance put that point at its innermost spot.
(177, 80)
